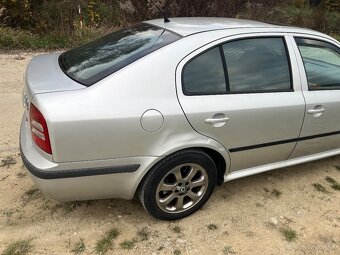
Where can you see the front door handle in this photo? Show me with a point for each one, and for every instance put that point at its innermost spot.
(216, 120)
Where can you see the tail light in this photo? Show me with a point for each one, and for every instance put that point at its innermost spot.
(39, 130)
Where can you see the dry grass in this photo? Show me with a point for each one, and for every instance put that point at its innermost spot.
(212, 226)
(8, 161)
(106, 243)
(177, 229)
(127, 244)
(289, 234)
(20, 247)
(228, 250)
(330, 180)
(143, 234)
(319, 187)
(273, 193)
(79, 247)
(335, 186)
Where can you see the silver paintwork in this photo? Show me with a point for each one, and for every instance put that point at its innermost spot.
(182, 192)
(44, 75)
(106, 125)
(121, 185)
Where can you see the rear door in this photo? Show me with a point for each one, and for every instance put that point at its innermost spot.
(319, 63)
(245, 93)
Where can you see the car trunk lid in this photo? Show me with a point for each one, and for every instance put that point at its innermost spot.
(44, 75)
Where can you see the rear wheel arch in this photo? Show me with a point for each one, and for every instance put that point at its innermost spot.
(192, 170)
(219, 160)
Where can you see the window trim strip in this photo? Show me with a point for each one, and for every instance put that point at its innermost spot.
(224, 64)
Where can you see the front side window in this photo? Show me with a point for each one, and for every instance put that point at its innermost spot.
(257, 65)
(322, 63)
(93, 61)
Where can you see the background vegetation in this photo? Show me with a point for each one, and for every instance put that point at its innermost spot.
(54, 24)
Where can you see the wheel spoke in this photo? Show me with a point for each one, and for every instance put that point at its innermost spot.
(179, 203)
(168, 199)
(178, 174)
(197, 183)
(193, 196)
(191, 174)
(167, 187)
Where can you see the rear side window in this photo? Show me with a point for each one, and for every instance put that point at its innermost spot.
(93, 61)
(322, 63)
(204, 74)
(240, 66)
(257, 65)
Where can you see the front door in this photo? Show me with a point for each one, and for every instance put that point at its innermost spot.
(320, 68)
(244, 94)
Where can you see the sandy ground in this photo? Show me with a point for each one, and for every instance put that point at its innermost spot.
(245, 217)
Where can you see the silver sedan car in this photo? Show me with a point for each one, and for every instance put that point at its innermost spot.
(168, 110)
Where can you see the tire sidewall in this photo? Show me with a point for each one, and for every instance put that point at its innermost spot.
(161, 169)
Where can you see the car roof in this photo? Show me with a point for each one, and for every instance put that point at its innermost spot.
(186, 26)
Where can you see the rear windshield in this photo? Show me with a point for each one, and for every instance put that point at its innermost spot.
(93, 61)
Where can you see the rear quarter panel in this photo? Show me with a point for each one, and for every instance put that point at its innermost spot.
(103, 121)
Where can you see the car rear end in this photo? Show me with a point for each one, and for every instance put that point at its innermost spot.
(65, 176)
(74, 131)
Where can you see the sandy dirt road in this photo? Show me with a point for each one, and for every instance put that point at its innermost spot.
(245, 216)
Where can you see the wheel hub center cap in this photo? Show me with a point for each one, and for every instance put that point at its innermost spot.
(182, 189)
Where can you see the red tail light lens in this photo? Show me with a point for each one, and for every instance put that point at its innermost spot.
(39, 130)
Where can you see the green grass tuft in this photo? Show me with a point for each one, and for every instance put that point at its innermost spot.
(330, 180)
(31, 191)
(212, 227)
(127, 244)
(228, 250)
(21, 175)
(336, 186)
(79, 247)
(289, 234)
(274, 192)
(106, 243)
(177, 252)
(177, 229)
(20, 247)
(143, 234)
(320, 187)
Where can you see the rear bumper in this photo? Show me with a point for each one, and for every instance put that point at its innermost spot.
(113, 178)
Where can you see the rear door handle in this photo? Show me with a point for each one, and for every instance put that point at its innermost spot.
(216, 120)
(319, 110)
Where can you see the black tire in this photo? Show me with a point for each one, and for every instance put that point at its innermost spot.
(148, 190)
